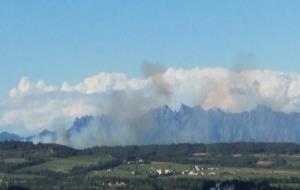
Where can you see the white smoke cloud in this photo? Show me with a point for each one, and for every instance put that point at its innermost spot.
(26, 87)
(32, 113)
(32, 106)
(104, 82)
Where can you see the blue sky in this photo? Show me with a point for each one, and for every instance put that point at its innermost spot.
(60, 41)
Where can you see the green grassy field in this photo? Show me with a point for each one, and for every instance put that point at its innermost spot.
(143, 170)
(66, 164)
(140, 170)
(14, 160)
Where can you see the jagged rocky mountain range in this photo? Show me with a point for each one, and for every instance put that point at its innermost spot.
(187, 125)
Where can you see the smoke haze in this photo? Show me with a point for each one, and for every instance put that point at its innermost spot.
(32, 107)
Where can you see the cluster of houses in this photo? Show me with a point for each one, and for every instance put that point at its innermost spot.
(198, 170)
(159, 172)
(165, 172)
(117, 184)
(139, 161)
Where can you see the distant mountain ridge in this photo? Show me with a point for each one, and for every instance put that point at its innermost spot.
(78, 124)
(190, 125)
(5, 136)
(196, 125)
(44, 136)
